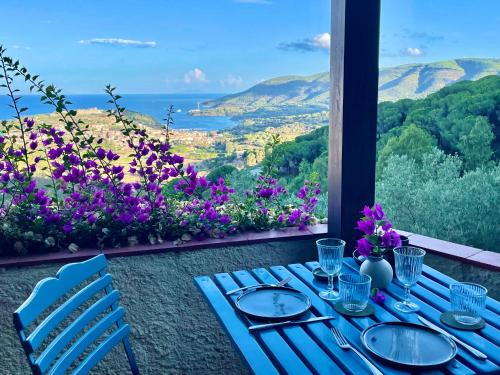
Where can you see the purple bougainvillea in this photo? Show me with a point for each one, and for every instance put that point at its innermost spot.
(89, 196)
(378, 234)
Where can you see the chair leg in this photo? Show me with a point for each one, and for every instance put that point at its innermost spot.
(130, 356)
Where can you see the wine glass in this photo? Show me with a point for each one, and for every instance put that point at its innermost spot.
(409, 261)
(330, 253)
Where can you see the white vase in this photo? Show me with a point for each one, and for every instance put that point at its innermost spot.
(378, 269)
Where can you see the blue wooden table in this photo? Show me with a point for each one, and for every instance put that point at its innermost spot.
(311, 349)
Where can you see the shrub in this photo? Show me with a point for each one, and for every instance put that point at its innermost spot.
(434, 198)
(62, 188)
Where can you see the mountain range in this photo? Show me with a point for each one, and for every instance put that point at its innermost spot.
(311, 93)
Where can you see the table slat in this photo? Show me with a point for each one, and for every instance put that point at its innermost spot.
(302, 343)
(321, 330)
(275, 345)
(247, 345)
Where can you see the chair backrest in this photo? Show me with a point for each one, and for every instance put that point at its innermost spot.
(51, 346)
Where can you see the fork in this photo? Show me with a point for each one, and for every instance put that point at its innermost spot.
(344, 344)
(280, 284)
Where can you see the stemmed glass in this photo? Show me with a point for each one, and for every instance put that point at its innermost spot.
(409, 261)
(330, 253)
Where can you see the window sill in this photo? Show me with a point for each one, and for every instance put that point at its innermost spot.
(462, 253)
(236, 240)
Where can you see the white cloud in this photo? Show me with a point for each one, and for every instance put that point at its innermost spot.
(195, 75)
(120, 42)
(232, 81)
(413, 51)
(253, 1)
(316, 43)
(322, 40)
(17, 46)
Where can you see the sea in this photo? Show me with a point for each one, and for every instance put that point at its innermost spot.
(155, 105)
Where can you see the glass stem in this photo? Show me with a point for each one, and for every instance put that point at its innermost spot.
(407, 300)
(330, 283)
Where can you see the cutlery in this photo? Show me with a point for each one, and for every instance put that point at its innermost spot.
(281, 283)
(288, 323)
(344, 344)
(474, 351)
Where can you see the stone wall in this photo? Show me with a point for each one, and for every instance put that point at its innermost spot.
(173, 329)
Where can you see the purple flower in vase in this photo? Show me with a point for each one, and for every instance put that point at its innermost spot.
(364, 247)
(395, 238)
(378, 213)
(367, 211)
(386, 239)
(366, 226)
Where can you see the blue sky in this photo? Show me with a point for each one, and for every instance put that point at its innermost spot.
(153, 46)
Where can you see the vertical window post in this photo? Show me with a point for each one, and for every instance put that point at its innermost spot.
(353, 113)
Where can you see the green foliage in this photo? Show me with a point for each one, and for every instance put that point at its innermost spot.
(476, 146)
(433, 198)
(289, 155)
(413, 142)
(223, 171)
(449, 114)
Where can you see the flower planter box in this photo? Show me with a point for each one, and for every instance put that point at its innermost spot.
(65, 256)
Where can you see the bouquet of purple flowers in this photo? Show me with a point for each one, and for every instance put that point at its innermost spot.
(377, 232)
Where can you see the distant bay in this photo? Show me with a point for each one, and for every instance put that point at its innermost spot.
(155, 105)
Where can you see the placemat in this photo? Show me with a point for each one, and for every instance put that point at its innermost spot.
(366, 312)
(448, 319)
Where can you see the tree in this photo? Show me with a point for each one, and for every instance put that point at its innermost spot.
(222, 171)
(476, 146)
(413, 142)
(434, 198)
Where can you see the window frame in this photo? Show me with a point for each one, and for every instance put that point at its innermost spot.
(354, 68)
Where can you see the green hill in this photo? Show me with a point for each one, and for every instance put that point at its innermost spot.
(449, 116)
(296, 94)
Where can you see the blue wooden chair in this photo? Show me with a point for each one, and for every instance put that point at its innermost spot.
(67, 343)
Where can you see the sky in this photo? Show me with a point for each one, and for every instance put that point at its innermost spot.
(219, 46)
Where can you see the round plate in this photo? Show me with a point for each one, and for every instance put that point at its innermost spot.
(273, 303)
(408, 344)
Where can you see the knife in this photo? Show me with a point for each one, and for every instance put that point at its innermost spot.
(288, 323)
(474, 351)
